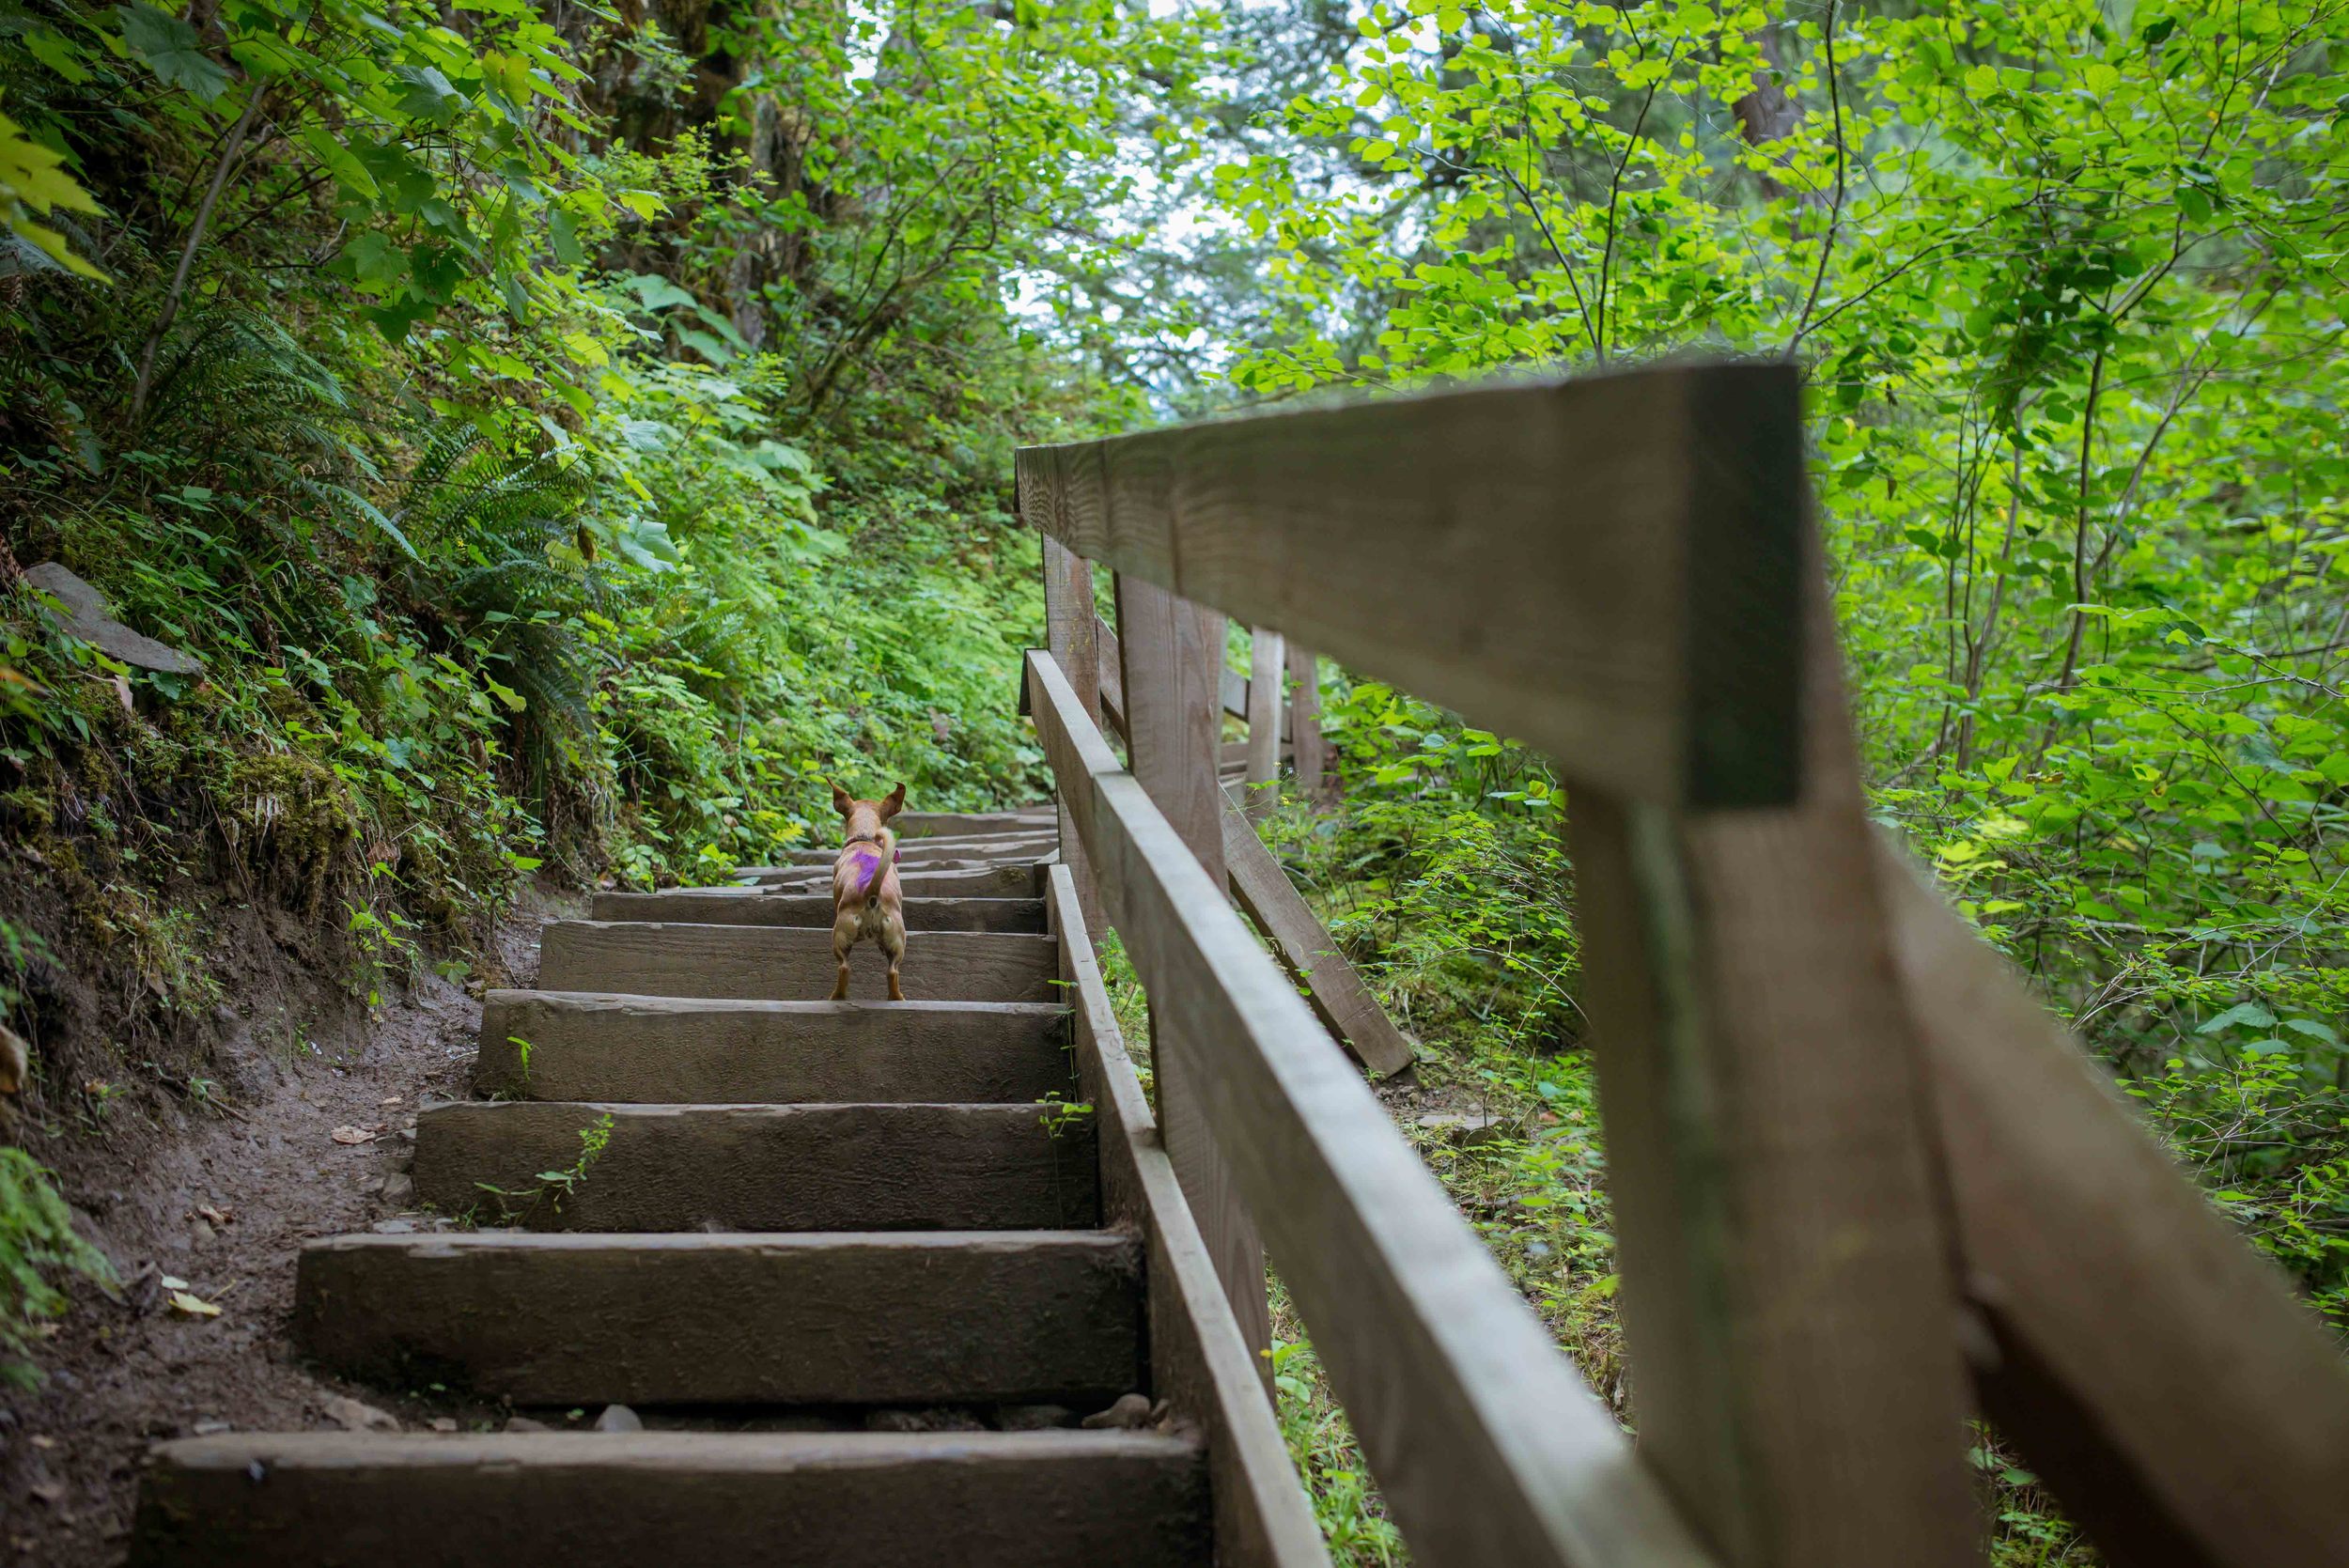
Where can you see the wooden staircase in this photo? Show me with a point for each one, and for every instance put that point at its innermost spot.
(808, 1219)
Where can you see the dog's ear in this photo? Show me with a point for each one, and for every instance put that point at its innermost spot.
(894, 803)
(841, 801)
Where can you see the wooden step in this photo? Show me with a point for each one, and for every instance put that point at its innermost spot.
(584, 1045)
(963, 878)
(749, 907)
(952, 824)
(923, 852)
(969, 1500)
(762, 1167)
(860, 1318)
(784, 964)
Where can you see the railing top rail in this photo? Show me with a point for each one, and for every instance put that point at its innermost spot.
(1605, 567)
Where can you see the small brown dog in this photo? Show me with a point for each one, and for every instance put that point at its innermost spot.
(866, 900)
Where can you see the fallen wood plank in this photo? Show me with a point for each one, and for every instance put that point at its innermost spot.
(583, 1045)
(1486, 1446)
(1340, 998)
(2184, 1407)
(1604, 568)
(851, 1500)
(925, 1318)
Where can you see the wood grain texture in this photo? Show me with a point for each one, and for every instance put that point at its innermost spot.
(560, 1499)
(1033, 843)
(2161, 1375)
(761, 1167)
(1172, 653)
(1333, 987)
(768, 963)
(747, 907)
(956, 824)
(1304, 727)
(963, 879)
(585, 1046)
(1266, 667)
(1112, 714)
(1070, 620)
(1198, 1357)
(1603, 568)
(1486, 1446)
(1787, 1293)
(929, 1318)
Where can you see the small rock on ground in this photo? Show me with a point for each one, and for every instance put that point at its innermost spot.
(354, 1415)
(619, 1418)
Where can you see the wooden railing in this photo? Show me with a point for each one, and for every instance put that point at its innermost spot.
(1863, 1186)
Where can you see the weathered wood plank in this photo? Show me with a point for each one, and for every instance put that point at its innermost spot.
(1786, 1283)
(1333, 987)
(782, 963)
(1262, 1518)
(587, 1046)
(1605, 567)
(2157, 1371)
(1031, 845)
(886, 1166)
(849, 1499)
(1487, 1447)
(1112, 708)
(1264, 721)
(957, 824)
(749, 907)
(1172, 652)
(1069, 619)
(1305, 738)
(966, 879)
(855, 1318)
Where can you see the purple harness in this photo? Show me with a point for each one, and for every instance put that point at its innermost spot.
(870, 862)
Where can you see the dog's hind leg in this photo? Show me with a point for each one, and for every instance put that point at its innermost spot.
(893, 941)
(843, 939)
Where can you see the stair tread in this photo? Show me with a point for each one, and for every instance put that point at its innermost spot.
(983, 1499)
(738, 905)
(616, 1046)
(746, 1317)
(748, 1167)
(768, 962)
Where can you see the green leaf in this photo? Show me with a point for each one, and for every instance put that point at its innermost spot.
(2247, 1014)
(171, 49)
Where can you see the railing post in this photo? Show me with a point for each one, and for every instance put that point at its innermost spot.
(1068, 633)
(1172, 655)
(1788, 1291)
(1264, 723)
(1312, 753)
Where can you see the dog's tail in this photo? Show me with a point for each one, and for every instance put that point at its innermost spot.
(874, 861)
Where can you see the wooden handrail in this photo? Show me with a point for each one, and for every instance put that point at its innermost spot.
(1852, 1160)
(1488, 1447)
(1603, 568)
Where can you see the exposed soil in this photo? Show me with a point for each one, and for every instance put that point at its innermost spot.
(224, 1200)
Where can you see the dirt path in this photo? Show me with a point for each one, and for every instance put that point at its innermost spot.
(224, 1201)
